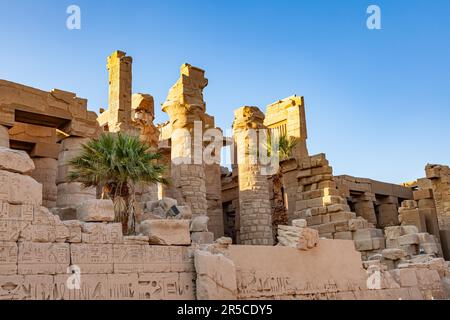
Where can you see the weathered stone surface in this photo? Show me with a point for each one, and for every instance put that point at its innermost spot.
(74, 227)
(199, 224)
(101, 233)
(393, 254)
(167, 232)
(202, 237)
(185, 213)
(4, 137)
(142, 240)
(43, 258)
(19, 189)
(92, 258)
(216, 277)
(96, 210)
(15, 161)
(73, 194)
(8, 258)
(65, 214)
(300, 223)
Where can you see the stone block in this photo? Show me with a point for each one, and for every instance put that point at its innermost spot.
(92, 258)
(65, 214)
(300, 223)
(101, 233)
(185, 213)
(96, 210)
(16, 188)
(74, 227)
(344, 235)
(11, 212)
(202, 237)
(216, 277)
(358, 223)
(199, 224)
(167, 232)
(43, 258)
(423, 194)
(408, 239)
(393, 254)
(8, 258)
(141, 240)
(15, 161)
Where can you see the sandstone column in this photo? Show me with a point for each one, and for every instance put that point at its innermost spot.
(120, 76)
(440, 181)
(70, 195)
(4, 137)
(186, 109)
(254, 197)
(45, 173)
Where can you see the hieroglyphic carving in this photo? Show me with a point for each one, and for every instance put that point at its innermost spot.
(102, 233)
(43, 258)
(129, 258)
(92, 258)
(166, 286)
(11, 229)
(92, 287)
(8, 258)
(16, 212)
(19, 189)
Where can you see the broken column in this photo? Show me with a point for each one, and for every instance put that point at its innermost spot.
(45, 173)
(186, 109)
(254, 197)
(70, 194)
(142, 115)
(440, 181)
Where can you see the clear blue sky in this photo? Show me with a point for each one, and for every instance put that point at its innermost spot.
(378, 102)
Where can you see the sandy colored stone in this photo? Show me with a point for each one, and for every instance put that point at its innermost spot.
(73, 194)
(19, 189)
(8, 258)
(20, 212)
(15, 161)
(216, 276)
(393, 254)
(4, 137)
(167, 232)
(101, 233)
(308, 239)
(43, 258)
(96, 210)
(74, 228)
(92, 258)
(202, 237)
(199, 224)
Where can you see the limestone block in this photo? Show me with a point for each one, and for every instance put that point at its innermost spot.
(43, 258)
(393, 232)
(364, 245)
(96, 210)
(141, 240)
(72, 194)
(74, 228)
(10, 229)
(4, 137)
(19, 189)
(38, 233)
(8, 258)
(300, 223)
(308, 239)
(129, 258)
(393, 254)
(167, 232)
(101, 233)
(24, 212)
(202, 237)
(408, 239)
(15, 161)
(343, 235)
(216, 277)
(423, 194)
(199, 224)
(358, 223)
(92, 258)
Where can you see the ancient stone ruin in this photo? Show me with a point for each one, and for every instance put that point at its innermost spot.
(209, 234)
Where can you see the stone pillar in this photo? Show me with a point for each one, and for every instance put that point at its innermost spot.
(45, 173)
(387, 211)
(120, 76)
(296, 126)
(214, 199)
(364, 207)
(186, 109)
(254, 197)
(70, 195)
(4, 137)
(143, 114)
(440, 181)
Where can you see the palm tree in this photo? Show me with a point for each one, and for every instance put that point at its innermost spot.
(284, 151)
(116, 163)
